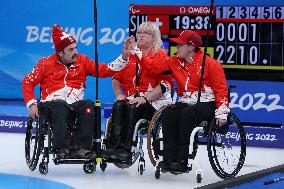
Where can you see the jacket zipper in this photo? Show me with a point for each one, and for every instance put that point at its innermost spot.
(65, 83)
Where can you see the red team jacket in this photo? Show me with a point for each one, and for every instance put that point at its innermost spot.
(187, 76)
(59, 82)
(147, 80)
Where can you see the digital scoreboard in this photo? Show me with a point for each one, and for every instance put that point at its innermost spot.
(247, 40)
(250, 37)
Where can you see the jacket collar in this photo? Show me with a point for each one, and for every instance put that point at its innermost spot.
(74, 64)
(197, 57)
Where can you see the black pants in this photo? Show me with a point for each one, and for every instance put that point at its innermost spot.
(124, 118)
(178, 123)
(60, 114)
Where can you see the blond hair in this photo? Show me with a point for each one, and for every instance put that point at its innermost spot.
(155, 31)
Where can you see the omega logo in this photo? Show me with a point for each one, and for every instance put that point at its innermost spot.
(194, 10)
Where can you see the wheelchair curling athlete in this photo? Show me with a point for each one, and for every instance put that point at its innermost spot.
(139, 93)
(179, 120)
(62, 79)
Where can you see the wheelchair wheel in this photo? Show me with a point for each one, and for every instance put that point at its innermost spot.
(43, 168)
(89, 168)
(227, 156)
(154, 138)
(33, 142)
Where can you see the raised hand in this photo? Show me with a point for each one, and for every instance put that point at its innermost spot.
(132, 42)
(128, 45)
(33, 110)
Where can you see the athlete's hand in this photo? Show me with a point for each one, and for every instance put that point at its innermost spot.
(120, 97)
(138, 100)
(128, 45)
(33, 110)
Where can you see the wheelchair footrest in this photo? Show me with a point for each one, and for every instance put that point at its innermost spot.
(72, 161)
(111, 160)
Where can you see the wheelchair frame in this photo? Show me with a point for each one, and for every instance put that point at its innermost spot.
(38, 142)
(155, 146)
(136, 151)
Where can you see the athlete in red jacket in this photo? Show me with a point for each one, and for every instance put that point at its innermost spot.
(62, 79)
(138, 93)
(178, 120)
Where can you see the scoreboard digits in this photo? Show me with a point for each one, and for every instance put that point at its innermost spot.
(189, 22)
(241, 37)
(250, 37)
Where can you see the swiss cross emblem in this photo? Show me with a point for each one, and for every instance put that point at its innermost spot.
(88, 110)
(64, 35)
(161, 21)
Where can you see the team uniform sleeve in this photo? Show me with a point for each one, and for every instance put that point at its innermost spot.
(105, 70)
(31, 80)
(218, 82)
(156, 64)
(117, 76)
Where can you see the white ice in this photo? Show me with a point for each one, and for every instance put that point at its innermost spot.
(12, 160)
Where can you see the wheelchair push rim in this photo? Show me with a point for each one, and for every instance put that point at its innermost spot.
(33, 142)
(153, 142)
(227, 156)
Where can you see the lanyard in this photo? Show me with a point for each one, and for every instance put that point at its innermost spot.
(138, 77)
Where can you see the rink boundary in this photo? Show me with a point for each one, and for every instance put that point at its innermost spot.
(244, 178)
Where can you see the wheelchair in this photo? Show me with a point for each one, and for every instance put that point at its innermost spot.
(226, 157)
(140, 131)
(38, 143)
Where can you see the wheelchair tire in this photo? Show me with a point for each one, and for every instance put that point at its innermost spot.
(234, 154)
(33, 142)
(141, 169)
(153, 140)
(89, 168)
(198, 178)
(43, 168)
(157, 174)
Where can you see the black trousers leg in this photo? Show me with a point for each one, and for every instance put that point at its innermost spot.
(133, 114)
(170, 121)
(84, 112)
(118, 117)
(202, 112)
(59, 112)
